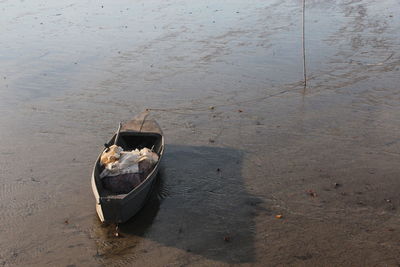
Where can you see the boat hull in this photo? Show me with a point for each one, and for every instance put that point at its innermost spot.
(114, 208)
(120, 210)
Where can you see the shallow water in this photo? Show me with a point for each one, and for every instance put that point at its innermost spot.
(224, 80)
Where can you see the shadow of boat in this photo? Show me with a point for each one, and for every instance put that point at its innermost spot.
(199, 204)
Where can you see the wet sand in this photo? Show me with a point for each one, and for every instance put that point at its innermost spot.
(324, 157)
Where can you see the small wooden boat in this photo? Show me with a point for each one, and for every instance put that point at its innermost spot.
(137, 133)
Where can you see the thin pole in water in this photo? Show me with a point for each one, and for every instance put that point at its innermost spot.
(304, 45)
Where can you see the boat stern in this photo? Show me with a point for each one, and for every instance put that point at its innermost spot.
(99, 212)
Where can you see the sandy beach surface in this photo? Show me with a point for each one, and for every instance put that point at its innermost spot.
(258, 170)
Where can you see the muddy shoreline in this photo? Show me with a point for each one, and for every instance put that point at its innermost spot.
(245, 141)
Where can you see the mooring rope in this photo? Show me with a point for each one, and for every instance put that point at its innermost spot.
(199, 109)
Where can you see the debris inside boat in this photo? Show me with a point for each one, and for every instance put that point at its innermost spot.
(124, 170)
